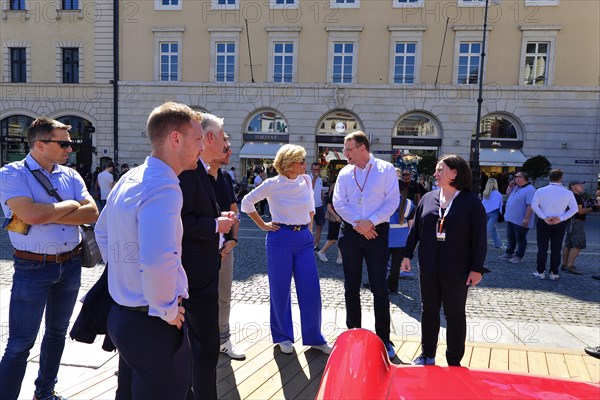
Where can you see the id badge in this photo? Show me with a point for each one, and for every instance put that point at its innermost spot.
(360, 200)
(440, 231)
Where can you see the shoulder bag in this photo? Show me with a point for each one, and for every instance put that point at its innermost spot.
(90, 252)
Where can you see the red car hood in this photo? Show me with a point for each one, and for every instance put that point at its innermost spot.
(358, 368)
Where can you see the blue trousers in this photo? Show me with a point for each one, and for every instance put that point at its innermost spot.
(290, 253)
(516, 239)
(492, 229)
(38, 286)
(355, 248)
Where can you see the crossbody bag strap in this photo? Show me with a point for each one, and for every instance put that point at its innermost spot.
(43, 180)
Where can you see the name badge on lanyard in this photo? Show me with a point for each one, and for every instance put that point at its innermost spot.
(440, 229)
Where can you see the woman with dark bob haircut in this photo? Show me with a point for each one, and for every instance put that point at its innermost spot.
(450, 227)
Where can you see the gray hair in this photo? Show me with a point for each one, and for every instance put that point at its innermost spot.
(210, 121)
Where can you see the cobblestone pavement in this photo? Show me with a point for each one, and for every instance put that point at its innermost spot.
(510, 292)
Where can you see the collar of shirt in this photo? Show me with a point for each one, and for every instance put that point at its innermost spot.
(163, 166)
(33, 164)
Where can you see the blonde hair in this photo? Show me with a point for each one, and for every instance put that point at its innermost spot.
(288, 155)
(490, 186)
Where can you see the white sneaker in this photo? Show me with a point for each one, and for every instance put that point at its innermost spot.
(515, 260)
(286, 347)
(325, 348)
(538, 275)
(229, 349)
(322, 256)
(505, 257)
(339, 260)
(553, 276)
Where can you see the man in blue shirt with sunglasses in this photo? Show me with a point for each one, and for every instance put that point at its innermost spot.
(47, 254)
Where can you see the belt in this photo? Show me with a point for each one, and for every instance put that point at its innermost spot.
(48, 258)
(296, 228)
(143, 309)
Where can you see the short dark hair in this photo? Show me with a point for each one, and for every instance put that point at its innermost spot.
(555, 175)
(464, 177)
(359, 138)
(524, 174)
(167, 118)
(109, 164)
(41, 129)
(316, 164)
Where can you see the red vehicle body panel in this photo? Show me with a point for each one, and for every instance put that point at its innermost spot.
(359, 368)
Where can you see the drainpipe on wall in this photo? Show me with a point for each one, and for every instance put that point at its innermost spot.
(115, 81)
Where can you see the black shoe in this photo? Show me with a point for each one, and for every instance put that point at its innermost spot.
(593, 351)
(596, 277)
(317, 249)
(573, 270)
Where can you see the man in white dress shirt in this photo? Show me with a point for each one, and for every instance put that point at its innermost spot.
(139, 234)
(365, 196)
(554, 204)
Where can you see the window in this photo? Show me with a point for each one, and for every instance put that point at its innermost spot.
(417, 125)
(283, 53)
(471, 3)
(70, 4)
(224, 53)
(169, 61)
(343, 59)
(225, 62)
(404, 62)
(167, 4)
(70, 65)
(536, 59)
(468, 63)
(339, 122)
(18, 65)
(225, 4)
(407, 3)
(344, 3)
(497, 127)
(283, 62)
(535, 3)
(283, 4)
(267, 122)
(17, 5)
(537, 54)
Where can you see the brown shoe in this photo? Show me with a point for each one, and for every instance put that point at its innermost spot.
(564, 268)
(573, 270)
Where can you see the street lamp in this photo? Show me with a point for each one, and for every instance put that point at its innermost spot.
(475, 167)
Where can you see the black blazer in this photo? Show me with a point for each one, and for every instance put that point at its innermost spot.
(200, 256)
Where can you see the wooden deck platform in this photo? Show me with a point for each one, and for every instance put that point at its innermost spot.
(266, 373)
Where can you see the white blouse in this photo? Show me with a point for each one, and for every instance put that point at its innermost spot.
(290, 200)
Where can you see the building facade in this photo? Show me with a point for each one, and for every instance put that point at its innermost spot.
(56, 59)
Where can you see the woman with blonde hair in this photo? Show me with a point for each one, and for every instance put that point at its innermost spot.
(289, 249)
(492, 202)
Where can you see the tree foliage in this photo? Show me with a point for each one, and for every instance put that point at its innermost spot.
(537, 167)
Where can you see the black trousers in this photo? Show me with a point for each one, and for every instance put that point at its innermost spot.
(553, 234)
(355, 248)
(451, 291)
(202, 317)
(395, 254)
(154, 357)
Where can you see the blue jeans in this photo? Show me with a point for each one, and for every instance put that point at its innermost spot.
(517, 239)
(38, 286)
(492, 220)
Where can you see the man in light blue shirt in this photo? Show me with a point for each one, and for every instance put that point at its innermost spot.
(47, 254)
(519, 217)
(139, 233)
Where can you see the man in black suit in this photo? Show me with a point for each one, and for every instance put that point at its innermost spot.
(203, 227)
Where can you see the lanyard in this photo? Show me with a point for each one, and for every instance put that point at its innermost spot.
(443, 216)
(365, 181)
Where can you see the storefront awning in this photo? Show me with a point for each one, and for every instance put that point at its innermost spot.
(260, 149)
(336, 154)
(501, 157)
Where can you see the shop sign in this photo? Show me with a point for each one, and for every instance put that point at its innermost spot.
(265, 137)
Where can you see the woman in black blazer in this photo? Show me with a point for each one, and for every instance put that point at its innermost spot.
(450, 227)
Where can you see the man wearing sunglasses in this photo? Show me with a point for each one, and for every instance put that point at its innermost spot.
(47, 254)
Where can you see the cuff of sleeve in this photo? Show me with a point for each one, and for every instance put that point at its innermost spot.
(216, 225)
